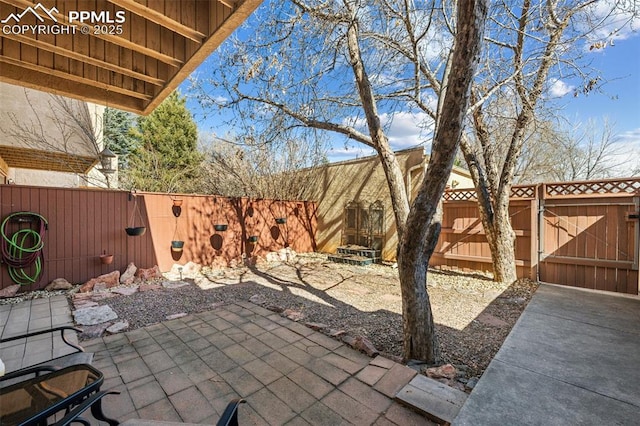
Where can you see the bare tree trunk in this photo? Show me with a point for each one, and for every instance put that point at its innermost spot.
(494, 214)
(501, 239)
(423, 224)
(393, 173)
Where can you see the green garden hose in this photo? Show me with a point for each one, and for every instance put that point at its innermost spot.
(22, 251)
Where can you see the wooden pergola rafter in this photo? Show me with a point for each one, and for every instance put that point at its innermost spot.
(161, 43)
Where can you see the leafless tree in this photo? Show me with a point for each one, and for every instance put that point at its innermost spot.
(583, 152)
(258, 170)
(529, 45)
(291, 76)
(67, 127)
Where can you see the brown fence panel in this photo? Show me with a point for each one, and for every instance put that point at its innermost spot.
(587, 233)
(463, 245)
(590, 242)
(84, 223)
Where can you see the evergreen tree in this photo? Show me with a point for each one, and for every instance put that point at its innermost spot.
(117, 127)
(166, 158)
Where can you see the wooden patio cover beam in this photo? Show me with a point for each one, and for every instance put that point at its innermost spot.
(160, 19)
(162, 42)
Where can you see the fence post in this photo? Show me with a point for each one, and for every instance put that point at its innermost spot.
(540, 197)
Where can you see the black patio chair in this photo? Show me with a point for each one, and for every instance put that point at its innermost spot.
(79, 356)
(230, 415)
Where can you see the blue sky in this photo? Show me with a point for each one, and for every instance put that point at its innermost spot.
(618, 101)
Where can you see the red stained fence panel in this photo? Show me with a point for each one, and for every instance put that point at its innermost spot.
(85, 223)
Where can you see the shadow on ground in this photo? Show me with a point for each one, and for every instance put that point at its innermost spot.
(473, 315)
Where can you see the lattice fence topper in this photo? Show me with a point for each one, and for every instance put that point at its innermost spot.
(520, 191)
(617, 186)
(577, 188)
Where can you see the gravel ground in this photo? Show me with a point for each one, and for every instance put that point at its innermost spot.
(473, 314)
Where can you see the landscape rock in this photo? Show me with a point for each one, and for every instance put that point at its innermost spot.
(149, 287)
(100, 288)
(94, 315)
(101, 295)
(176, 316)
(287, 254)
(446, 371)
(275, 308)
(112, 279)
(361, 343)
(125, 291)
(191, 270)
(129, 275)
(174, 284)
(257, 299)
(118, 327)
(148, 274)
(317, 326)
(82, 296)
(336, 333)
(272, 257)
(80, 304)
(9, 291)
(59, 284)
(93, 331)
(292, 315)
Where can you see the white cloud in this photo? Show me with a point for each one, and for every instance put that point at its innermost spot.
(626, 156)
(349, 152)
(617, 22)
(404, 129)
(407, 129)
(559, 88)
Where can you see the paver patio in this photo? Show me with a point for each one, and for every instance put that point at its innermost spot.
(188, 369)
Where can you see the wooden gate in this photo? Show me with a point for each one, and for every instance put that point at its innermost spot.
(581, 234)
(589, 235)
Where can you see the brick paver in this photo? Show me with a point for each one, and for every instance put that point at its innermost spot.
(188, 369)
(394, 380)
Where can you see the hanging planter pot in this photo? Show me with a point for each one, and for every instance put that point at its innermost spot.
(106, 259)
(253, 239)
(135, 231)
(281, 220)
(177, 202)
(220, 227)
(177, 245)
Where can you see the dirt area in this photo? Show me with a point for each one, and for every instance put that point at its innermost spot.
(473, 314)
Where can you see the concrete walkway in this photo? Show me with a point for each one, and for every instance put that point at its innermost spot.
(573, 358)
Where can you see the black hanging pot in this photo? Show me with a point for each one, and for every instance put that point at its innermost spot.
(220, 227)
(281, 220)
(135, 231)
(177, 245)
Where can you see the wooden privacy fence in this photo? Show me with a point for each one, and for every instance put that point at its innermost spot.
(85, 223)
(582, 234)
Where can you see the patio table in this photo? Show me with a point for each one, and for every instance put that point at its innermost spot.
(33, 400)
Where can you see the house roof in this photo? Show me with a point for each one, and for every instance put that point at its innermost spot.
(457, 169)
(129, 54)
